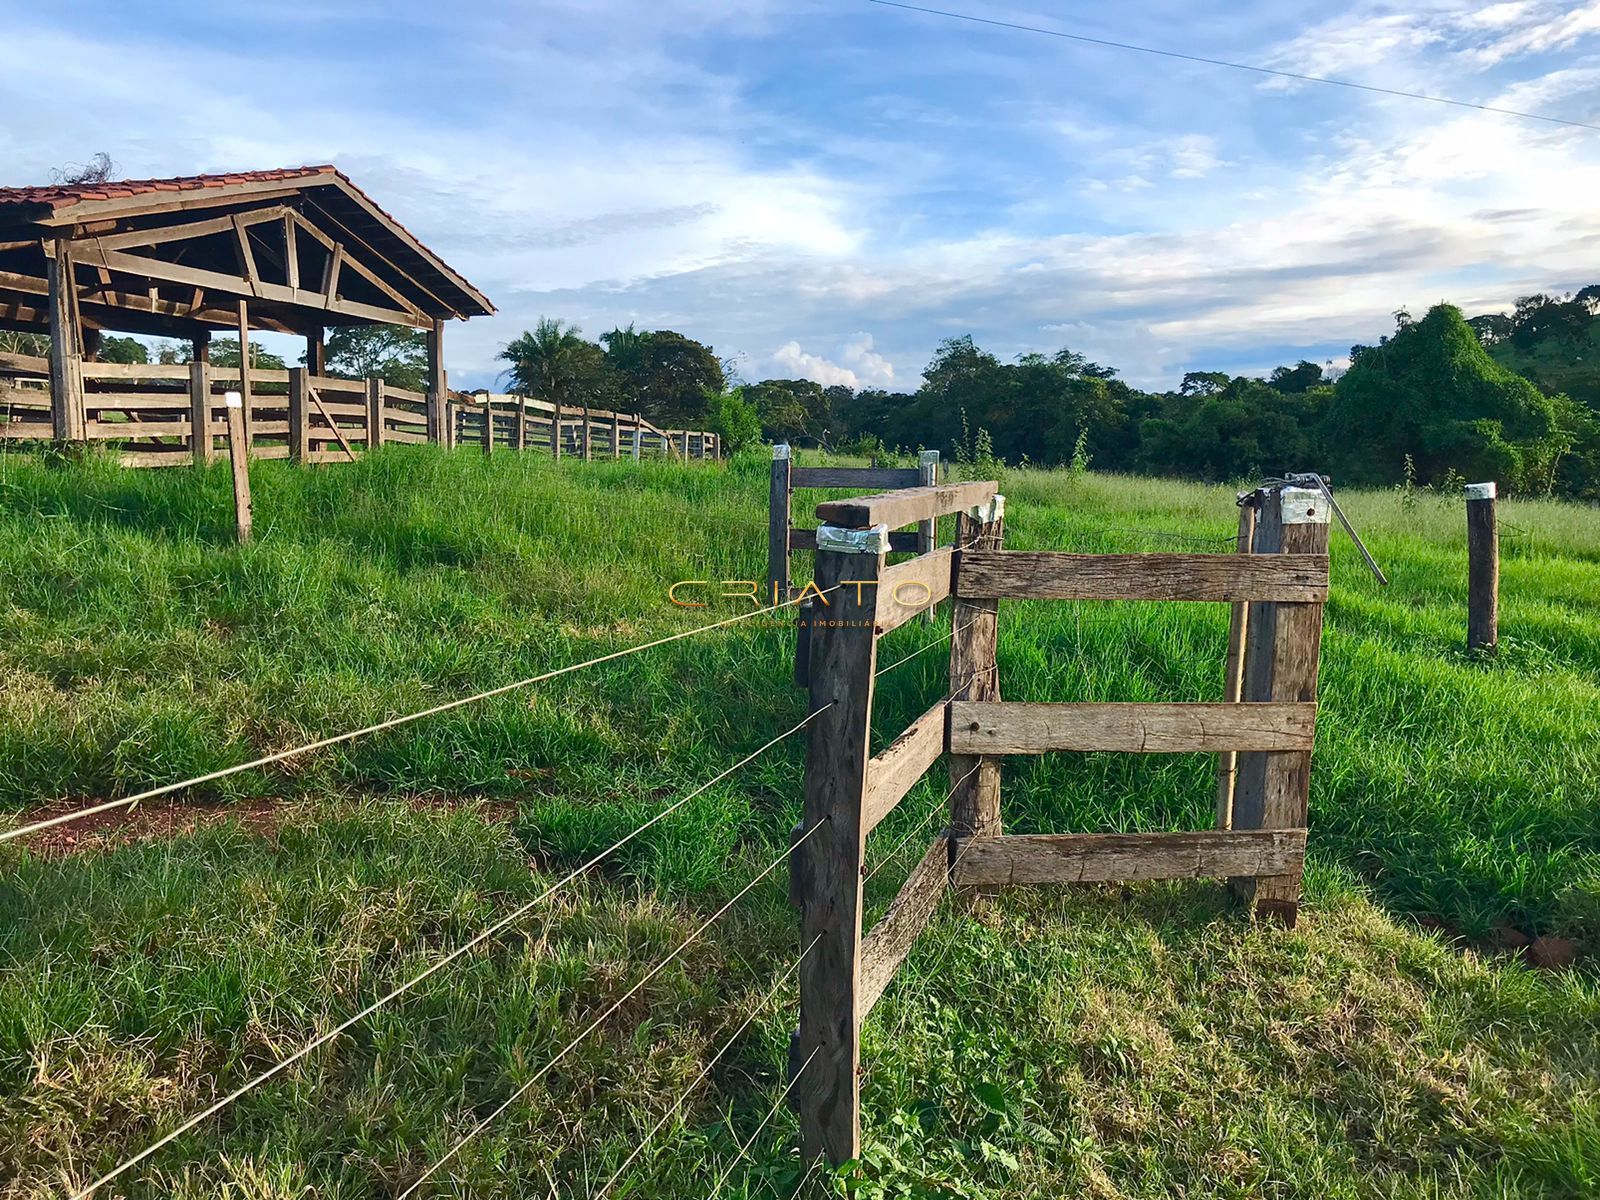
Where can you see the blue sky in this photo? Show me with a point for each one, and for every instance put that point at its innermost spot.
(827, 188)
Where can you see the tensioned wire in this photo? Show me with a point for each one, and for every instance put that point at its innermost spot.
(623, 999)
(515, 915)
(393, 722)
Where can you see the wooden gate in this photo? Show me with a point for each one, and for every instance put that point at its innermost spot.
(1260, 844)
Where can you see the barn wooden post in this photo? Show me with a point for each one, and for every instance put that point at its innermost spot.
(316, 350)
(246, 398)
(200, 413)
(827, 1094)
(299, 419)
(778, 499)
(1283, 641)
(66, 347)
(438, 390)
(1233, 676)
(1483, 569)
(975, 675)
(374, 412)
(239, 457)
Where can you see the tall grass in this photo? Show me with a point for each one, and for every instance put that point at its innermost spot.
(1147, 1045)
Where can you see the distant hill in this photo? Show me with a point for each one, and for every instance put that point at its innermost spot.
(1558, 365)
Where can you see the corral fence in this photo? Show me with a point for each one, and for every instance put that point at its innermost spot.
(1278, 584)
(160, 415)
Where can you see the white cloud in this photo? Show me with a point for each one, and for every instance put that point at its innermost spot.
(861, 366)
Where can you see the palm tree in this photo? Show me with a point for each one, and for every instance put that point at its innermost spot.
(552, 362)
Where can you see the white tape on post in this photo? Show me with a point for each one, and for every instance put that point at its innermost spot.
(853, 541)
(780, 451)
(1480, 491)
(233, 399)
(1303, 506)
(987, 513)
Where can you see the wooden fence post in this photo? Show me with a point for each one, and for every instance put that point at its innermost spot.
(1483, 569)
(827, 1095)
(778, 498)
(239, 456)
(928, 531)
(975, 675)
(638, 434)
(299, 428)
(555, 432)
(616, 434)
(200, 413)
(374, 412)
(488, 427)
(522, 423)
(452, 422)
(1283, 641)
(66, 347)
(1233, 677)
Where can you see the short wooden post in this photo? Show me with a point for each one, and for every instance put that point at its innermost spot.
(522, 422)
(374, 413)
(1283, 641)
(1233, 677)
(488, 427)
(975, 675)
(588, 451)
(451, 415)
(616, 435)
(200, 413)
(778, 499)
(827, 1095)
(555, 432)
(928, 531)
(67, 408)
(299, 426)
(638, 434)
(239, 456)
(1483, 569)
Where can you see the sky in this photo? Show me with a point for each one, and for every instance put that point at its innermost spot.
(826, 189)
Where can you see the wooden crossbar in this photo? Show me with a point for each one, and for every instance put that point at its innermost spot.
(908, 589)
(1128, 857)
(891, 939)
(893, 771)
(906, 506)
(849, 477)
(1052, 575)
(1013, 728)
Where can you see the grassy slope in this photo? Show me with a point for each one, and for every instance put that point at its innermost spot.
(1136, 1045)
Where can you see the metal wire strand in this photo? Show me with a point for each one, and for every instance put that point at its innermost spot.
(393, 722)
(921, 825)
(322, 1040)
(716, 1188)
(598, 1021)
(700, 1078)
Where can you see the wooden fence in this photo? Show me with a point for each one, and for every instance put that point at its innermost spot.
(170, 415)
(1281, 580)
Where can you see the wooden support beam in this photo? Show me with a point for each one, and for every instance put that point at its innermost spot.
(1282, 646)
(66, 347)
(843, 657)
(316, 352)
(244, 378)
(374, 413)
(1051, 575)
(299, 421)
(1052, 858)
(891, 939)
(913, 587)
(200, 443)
(993, 728)
(438, 394)
(333, 426)
(906, 506)
(895, 770)
(291, 255)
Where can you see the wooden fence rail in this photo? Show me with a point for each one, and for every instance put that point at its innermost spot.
(170, 415)
(1267, 725)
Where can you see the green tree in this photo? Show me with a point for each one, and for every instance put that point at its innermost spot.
(114, 349)
(397, 355)
(1432, 391)
(553, 362)
(733, 416)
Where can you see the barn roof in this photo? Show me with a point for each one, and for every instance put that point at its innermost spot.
(303, 245)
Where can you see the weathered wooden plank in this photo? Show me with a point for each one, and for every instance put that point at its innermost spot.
(100, 431)
(895, 769)
(25, 364)
(978, 728)
(131, 401)
(906, 506)
(155, 372)
(1052, 575)
(832, 477)
(827, 1096)
(900, 541)
(1127, 857)
(891, 939)
(911, 587)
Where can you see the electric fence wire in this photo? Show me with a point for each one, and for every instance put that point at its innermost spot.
(509, 919)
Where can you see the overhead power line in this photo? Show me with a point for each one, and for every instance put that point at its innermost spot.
(1235, 66)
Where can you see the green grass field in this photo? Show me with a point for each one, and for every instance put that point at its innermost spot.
(1108, 1042)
